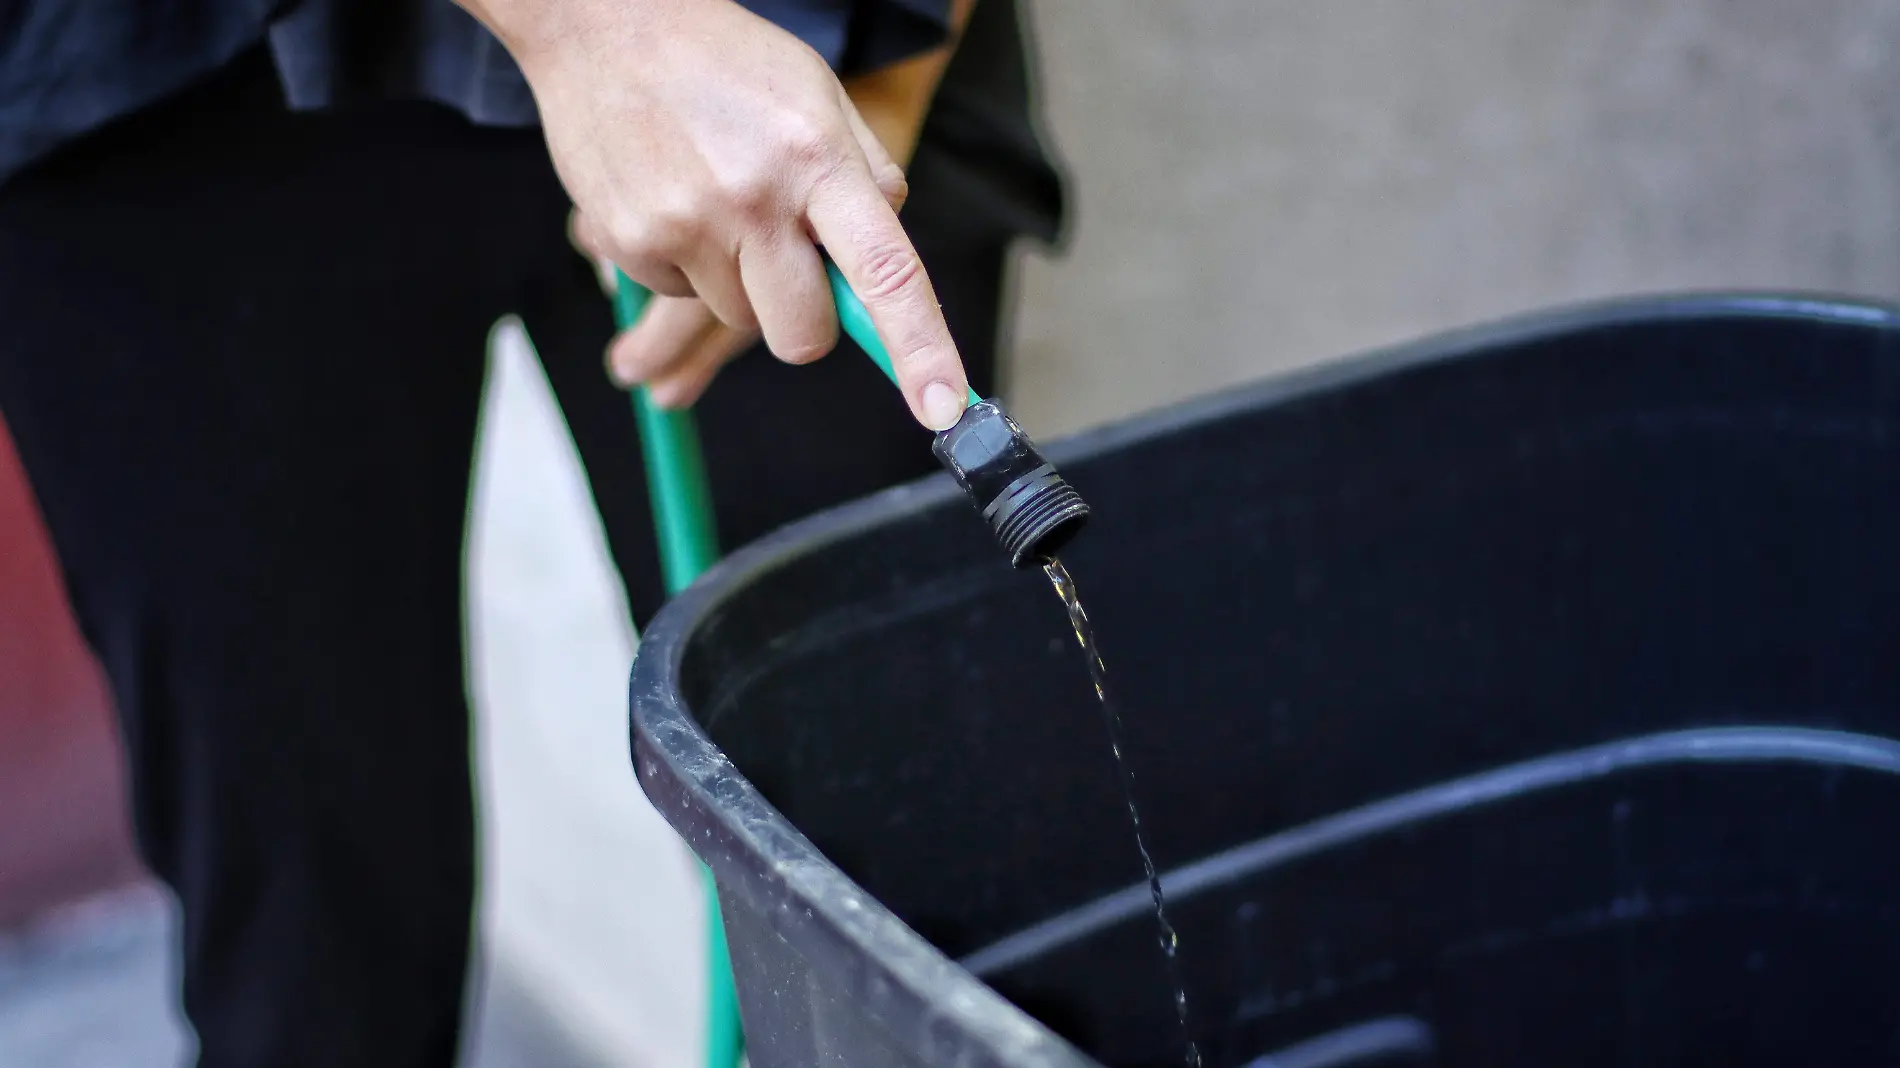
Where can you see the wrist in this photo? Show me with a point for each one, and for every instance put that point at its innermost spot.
(532, 30)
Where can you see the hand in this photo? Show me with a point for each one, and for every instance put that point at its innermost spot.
(707, 150)
(678, 346)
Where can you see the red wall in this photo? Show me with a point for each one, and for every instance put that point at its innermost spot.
(63, 829)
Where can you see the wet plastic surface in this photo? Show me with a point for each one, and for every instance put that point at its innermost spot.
(1523, 697)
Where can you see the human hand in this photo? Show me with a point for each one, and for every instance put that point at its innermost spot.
(677, 347)
(707, 151)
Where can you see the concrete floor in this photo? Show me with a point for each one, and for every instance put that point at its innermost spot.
(589, 901)
(90, 987)
(1259, 185)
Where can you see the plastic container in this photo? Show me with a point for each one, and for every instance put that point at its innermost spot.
(1523, 697)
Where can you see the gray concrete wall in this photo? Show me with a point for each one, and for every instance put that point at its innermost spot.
(1265, 183)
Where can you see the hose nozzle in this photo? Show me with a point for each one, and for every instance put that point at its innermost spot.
(1030, 508)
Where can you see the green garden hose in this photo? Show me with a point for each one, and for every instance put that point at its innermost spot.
(856, 322)
(689, 544)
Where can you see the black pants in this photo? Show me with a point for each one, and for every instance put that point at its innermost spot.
(242, 356)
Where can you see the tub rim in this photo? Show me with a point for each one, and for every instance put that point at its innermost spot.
(922, 998)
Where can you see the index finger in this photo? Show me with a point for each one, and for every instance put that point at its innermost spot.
(860, 231)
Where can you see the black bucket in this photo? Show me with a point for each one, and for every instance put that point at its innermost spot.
(1524, 697)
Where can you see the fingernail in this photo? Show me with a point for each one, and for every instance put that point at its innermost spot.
(942, 406)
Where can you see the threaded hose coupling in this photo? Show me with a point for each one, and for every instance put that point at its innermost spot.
(1030, 508)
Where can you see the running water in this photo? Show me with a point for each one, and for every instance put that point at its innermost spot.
(1170, 944)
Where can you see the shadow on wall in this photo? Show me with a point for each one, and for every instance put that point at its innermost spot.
(63, 828)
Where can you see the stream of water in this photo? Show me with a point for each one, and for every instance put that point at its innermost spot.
(1064, 583)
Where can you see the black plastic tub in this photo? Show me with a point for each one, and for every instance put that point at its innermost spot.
(1523, 697)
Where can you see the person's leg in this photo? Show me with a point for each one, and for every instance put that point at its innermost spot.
(243, 372)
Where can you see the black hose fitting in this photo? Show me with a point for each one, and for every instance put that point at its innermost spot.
(1032, 511)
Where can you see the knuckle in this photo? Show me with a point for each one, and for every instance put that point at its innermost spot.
(890, 270)
(633, 239)
(661, 232)
(751, 193)
(799, 152)
(580, 231)
(919, 355)
(624, 230)
(808, 146)
(679, 223)
(802, 350)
